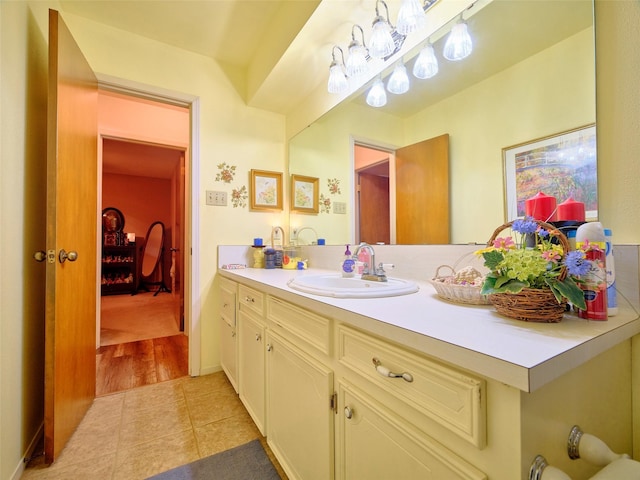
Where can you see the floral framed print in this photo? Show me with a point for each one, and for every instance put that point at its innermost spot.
(304, 194)
(266, 190)
(563, 166)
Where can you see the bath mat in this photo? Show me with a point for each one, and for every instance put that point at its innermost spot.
(246, 462)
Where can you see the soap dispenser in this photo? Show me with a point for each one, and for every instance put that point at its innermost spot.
(348, 264)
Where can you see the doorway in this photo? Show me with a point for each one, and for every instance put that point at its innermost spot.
(374, 187)
(143, 177)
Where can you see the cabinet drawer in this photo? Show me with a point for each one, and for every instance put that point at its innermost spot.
(250, 299)
(447, 396)
(304, 325)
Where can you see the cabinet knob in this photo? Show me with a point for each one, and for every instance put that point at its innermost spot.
(233, 334)
(348, 412)
(249, 300)
(269, 347)
(258, 337)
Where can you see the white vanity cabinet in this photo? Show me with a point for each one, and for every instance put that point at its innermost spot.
(228, 338)
(300, 387)
(251, 354)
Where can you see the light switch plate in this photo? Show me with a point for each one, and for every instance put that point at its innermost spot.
(339, 207)
(216, 198)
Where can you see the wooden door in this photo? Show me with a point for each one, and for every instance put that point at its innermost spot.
(373, 195)
(177, 255)
(70, 318)
(422, 192)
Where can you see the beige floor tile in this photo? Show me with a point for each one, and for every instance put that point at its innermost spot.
(158, 455)
(99, 468)
(214, 406)
(150, 396)
(139, 426)
(206, 384)
(227, 433)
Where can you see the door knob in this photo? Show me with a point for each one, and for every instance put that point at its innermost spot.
(40, 256)
(64, 255)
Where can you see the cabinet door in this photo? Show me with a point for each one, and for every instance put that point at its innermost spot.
(373, 443)
(251, 368)
(300, 418)
(228, 352)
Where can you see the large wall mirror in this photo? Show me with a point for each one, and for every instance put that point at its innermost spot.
(531, 75)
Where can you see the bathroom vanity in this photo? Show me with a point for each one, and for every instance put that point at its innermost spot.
(411, 386)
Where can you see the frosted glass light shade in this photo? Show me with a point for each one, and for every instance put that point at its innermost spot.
(357, 65)
(377, 96)
(411, 17)
(458, 45)
(337, 79)
(426, 65)
(381, 43)
(399, 81)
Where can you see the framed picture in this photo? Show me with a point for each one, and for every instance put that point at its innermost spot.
(304, 194)
(563, 165)
(266, 190)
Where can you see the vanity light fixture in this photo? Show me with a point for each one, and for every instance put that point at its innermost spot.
(377, 96)
(426, 65)
(411, 17)
(357, 63)
(399, 80)
(458, 44)
(381, 43)
(337, 78)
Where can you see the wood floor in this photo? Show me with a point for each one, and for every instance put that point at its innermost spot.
(135, 364)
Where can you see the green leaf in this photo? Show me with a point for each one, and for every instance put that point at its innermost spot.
(568, 289)
(492, 259)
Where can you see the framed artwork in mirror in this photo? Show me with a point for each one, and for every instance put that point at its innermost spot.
(304, 194)
(563, 165)
(266, 190)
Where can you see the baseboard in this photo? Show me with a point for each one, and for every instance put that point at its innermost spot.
(209, 370)
(19, 470)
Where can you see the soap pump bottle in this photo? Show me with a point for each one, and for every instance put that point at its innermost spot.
(348, 264)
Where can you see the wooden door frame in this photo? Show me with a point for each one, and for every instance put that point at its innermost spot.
(192, 209)
(390, 149)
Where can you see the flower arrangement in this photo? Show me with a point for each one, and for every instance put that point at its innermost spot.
(534, 261)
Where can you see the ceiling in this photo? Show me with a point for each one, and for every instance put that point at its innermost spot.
(276, 53)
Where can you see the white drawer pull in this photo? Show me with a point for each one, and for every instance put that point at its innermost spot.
(385, 372)
(348, 412)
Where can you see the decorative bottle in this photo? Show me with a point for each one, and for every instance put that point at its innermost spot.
(590, 238)
(348, 264)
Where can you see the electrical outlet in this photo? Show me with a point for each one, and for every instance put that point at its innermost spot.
(339, 207)
(216, 198)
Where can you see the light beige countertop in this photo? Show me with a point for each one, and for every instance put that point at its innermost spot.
(520, 354)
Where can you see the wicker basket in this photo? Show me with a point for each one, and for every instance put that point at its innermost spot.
(456, 293)
(532, 304)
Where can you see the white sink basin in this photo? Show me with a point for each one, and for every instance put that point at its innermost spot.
(335, 285)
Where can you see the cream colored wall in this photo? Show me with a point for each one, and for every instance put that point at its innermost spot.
(479, 127)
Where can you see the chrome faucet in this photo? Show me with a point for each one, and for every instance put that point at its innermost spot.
(370, 272)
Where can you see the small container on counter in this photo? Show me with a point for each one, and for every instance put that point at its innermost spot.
(269, 258)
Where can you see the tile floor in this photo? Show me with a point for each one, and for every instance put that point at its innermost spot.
(144, 431)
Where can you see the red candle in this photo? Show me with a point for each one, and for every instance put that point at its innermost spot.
(541, 207)
(571, 210)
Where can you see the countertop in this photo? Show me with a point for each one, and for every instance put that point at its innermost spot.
(523, 355)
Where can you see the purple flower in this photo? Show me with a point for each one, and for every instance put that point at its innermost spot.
(524, 226)
(543, 233)
(576, 263)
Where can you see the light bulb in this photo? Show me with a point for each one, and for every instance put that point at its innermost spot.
(377, 96)
(411, 17)
(381, 44)
(399, 81)
(458, 45)
(426, 65)
(337, 80)
(357, 65)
